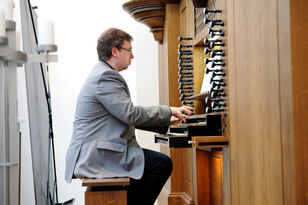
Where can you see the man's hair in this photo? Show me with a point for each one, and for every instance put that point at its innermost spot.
(110, 38)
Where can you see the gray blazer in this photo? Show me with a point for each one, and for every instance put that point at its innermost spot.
(103, 143)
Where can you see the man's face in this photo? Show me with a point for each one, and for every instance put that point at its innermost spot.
(125, 55)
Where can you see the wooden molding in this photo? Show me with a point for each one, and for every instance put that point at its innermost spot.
(117, 181)
(199, 3)
(149, 12)
(171, 1)
(175, 198)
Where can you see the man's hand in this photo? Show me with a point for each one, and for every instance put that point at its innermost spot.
(180, 113)
(174, 119)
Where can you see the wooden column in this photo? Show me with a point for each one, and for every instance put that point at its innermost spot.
(299, 47)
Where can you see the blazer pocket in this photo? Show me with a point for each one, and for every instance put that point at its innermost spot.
(110, 146)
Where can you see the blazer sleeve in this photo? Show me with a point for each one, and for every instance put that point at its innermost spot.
(113, 95)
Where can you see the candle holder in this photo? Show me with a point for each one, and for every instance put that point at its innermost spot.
(11, 58)
(3, 40)
(46, 57)
(17, 56)
(8, 46)
(10, 25)
(47, 48)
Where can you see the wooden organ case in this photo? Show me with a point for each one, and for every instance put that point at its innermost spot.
(247, 140)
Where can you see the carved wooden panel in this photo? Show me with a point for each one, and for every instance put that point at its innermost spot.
(151, 13)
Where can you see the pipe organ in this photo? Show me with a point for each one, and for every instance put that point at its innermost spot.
(241, 64)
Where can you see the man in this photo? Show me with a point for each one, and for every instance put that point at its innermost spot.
(104, 143)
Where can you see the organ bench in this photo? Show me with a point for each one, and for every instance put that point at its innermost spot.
(108, 191)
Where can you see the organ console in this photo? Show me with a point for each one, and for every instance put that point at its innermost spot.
(185, 78)
(198, 125)
(216, 53)
(185, 74)
(207, 41)
(246, 142)
(216, 23)
(185, 58)
(215, 63)
(216, 80)
(184, 46)
(216, 43)
(185, 65)
(213, 33)
(208, 60)
(208, 100)
(216, 89)
(184, 52)
(214, 74)
(220, 84)
(213, 110)
(184, 38)
(207, 11)
(181, 61)
(207, 70)
(218, 104)
(213, 23)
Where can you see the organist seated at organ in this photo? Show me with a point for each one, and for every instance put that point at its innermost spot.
(103, 144)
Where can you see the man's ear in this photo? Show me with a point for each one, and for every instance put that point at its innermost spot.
(115, 52)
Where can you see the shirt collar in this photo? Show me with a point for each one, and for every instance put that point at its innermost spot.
(108, 64)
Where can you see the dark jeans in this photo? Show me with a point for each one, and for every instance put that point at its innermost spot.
(157, 170)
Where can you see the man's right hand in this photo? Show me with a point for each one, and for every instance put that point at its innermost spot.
(180, 113)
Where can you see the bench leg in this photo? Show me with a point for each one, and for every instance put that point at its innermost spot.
(106, 197)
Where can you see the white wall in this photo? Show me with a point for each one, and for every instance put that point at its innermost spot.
(147, 78)
(77, 27)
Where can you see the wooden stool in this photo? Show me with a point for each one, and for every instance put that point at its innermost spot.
(108, 191)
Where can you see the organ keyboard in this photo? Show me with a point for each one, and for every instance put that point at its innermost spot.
(198, 130)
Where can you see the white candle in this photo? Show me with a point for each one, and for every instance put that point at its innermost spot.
(45, 32)
(18, 39)
(9, 8)
(2, 22)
